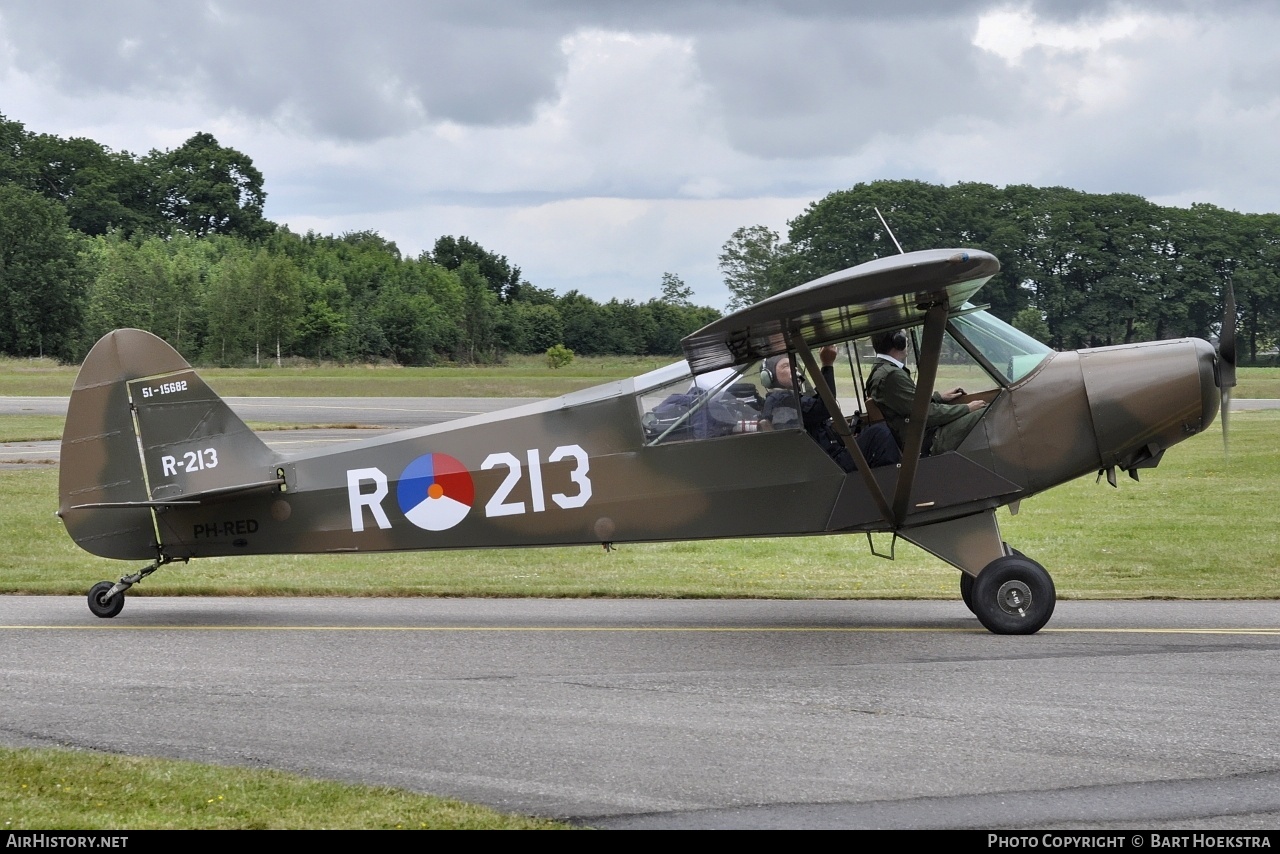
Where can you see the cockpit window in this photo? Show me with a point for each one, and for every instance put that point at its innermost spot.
(957, 368)
(1013, 353)
(708, 406)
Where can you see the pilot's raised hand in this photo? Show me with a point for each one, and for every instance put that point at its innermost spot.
(828, 355)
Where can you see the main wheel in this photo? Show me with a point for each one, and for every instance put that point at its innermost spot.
(102, 607)
(966, 589)
(1013, 595)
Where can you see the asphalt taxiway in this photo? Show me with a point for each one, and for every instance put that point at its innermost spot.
(685, 714)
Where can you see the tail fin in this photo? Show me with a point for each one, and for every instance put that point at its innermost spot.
(143, 431)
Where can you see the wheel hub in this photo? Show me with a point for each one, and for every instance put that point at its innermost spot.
(1014, 597)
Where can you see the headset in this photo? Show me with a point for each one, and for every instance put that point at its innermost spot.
(769, 371)
(889, 341)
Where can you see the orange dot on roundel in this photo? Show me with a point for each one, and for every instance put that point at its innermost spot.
(435, 490)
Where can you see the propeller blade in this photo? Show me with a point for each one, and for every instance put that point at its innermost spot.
(1227, 358)
(1226, 408)
(1227, 339)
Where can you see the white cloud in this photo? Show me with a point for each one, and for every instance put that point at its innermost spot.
(1011, 32)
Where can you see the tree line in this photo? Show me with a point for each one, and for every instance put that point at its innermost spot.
(175, 242)
(1078, 269)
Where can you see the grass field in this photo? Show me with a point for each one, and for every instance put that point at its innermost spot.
(76, 790)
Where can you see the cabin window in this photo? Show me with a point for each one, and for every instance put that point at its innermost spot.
(719, 403)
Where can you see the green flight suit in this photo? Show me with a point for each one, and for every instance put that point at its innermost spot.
(893, 390)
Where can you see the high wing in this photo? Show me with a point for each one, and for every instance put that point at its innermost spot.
(888, 293)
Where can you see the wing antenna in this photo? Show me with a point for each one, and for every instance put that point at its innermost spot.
(890, 231)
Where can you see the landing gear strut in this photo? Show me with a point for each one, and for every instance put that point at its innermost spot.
(1013, 595)
(106, 599)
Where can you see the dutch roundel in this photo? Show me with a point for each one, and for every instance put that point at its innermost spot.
(435, 492)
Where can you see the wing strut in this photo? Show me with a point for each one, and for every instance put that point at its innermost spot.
(935, 323)
(839, 423)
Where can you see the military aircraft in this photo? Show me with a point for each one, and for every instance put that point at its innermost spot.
(155, 466)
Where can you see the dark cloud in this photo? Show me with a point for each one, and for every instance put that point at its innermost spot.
(364, 71)
(349, 71)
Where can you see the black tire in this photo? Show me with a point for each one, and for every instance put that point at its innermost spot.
(105, 608)
(1013, 595)
(966, 580)
(966, 589)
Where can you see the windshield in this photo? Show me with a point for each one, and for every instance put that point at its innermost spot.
(1012, 352)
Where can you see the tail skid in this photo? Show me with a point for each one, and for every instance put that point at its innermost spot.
(143, 432)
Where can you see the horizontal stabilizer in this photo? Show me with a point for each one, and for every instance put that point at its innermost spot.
(193, 499)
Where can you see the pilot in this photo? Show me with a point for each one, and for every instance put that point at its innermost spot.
(891, 387)
(779, 412)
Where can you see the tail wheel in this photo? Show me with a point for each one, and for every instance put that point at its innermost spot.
(1013, 595)
(102, 606)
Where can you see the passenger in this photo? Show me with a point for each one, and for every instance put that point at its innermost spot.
(779, 412)
(890, 385)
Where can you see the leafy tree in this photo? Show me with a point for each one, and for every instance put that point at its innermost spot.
(523, 327)
(478, 339)
(324, 321)
(229, 306)
(14, 167)
(755, 265)
(207, 189)
(675, 291)
(672, 323)
(42, 283)
(843, 229)
(101, 190)
(277, 303)
(558, 356)
(1030, 321)
(584, 331)
(503, 279)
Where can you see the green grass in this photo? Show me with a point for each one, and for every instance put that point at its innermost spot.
(30, 428)
(1199, 526)
(76, 790)
(1263, 383)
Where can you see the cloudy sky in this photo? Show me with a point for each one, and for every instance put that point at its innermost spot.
(599, 144)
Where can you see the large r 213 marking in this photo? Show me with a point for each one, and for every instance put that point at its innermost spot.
(205, 458)
(500, 505)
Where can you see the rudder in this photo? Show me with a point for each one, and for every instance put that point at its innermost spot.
(143, 429)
